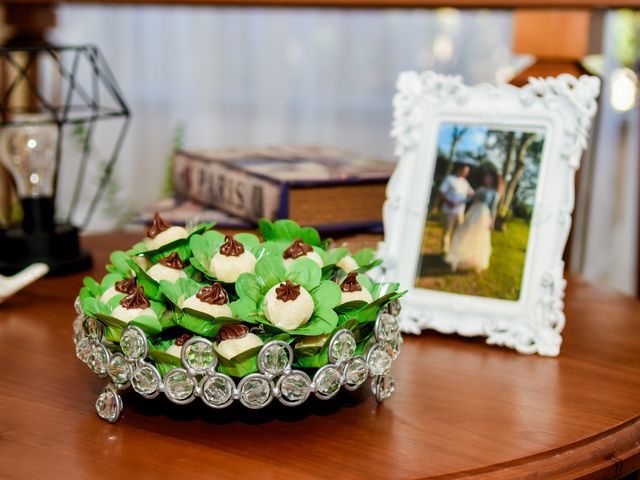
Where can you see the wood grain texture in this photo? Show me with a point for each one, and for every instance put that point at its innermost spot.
(595, 4)
(461, 408)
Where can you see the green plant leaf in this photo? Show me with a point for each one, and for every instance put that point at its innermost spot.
(369, 313)
(112, 334)
(181, 247)
(84, 293)
(266, 229)
(109, 321)
(238, 368)
(202, 267)
(214, 239)
(249, 240)
(149, 324)
(92, 306)
(92, 286)
(366, 268)
(273, 247)
(203, 248)
(164, 361)
(336, 254)
(286, 230)
(248, 286)
(138, 249)
(320, 359)
(380, 289)
(120, 260)
(310, 236)
(172, 291)
(201, 228)
(158, 307)
(329, 270)
(364, 256)
(245, 309)
(114, 301)
(324, 320)
(350, 306)
(365, 282)
(327, 294)
(206, 328)
(363, 345)
(199, 246)
(110, 279)
(179, 291)
(167, 319)
(305, 272)
(151, 287)
(270, 270)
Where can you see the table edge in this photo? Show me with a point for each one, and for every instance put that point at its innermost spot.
(609, 454)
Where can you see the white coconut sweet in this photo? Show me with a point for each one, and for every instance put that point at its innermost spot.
(347, 263)
(126, 286)
(310, 255)
(108, 294)
(142, 261)
(165, 237)
(129, 314)
(288, 314)
(363, 295)
(351, 290)
(194, 303)
(176, 347)
(174, 350)
(233, 347)
(162, 272)
(229, 268)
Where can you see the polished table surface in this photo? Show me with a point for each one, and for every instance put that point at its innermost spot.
(461, 408)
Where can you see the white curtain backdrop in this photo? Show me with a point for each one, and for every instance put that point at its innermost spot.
(249, 77)
(606, 222)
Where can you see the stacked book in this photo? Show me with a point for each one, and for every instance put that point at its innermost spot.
(328, 188)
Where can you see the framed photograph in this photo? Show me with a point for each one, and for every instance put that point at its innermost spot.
(479, 208)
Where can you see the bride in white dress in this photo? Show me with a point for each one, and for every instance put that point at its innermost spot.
(471, 243)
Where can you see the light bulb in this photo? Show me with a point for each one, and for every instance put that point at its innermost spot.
(624, 89)
(28, 150)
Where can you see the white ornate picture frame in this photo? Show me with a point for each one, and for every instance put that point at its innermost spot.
(564, 108)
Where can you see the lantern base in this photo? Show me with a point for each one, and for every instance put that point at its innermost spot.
(60, 249)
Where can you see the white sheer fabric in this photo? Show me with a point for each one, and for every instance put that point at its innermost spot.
(249, 77)
(606, 223)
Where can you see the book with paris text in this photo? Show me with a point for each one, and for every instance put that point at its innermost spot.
(325, 187)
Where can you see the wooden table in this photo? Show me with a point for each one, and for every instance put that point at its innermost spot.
(461, 408)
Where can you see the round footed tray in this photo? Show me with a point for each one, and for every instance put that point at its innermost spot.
(194, 313)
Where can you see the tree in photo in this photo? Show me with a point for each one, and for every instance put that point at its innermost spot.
(517, 155)
(456, 135)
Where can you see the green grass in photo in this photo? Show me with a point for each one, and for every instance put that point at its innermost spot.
(503, 278)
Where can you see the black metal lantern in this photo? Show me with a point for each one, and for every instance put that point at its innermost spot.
(46, 92)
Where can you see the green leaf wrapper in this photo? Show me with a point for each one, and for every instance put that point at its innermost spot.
(151, 287)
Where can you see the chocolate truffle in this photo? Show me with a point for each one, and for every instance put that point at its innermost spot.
(161, 233)
(212, 300)
(299, 249)
(232, 261)
(288, 306)
(133, 306)
(352, 290)
(169, 268)
(234, 339)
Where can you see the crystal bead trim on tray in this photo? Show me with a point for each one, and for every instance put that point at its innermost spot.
(198, 378)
